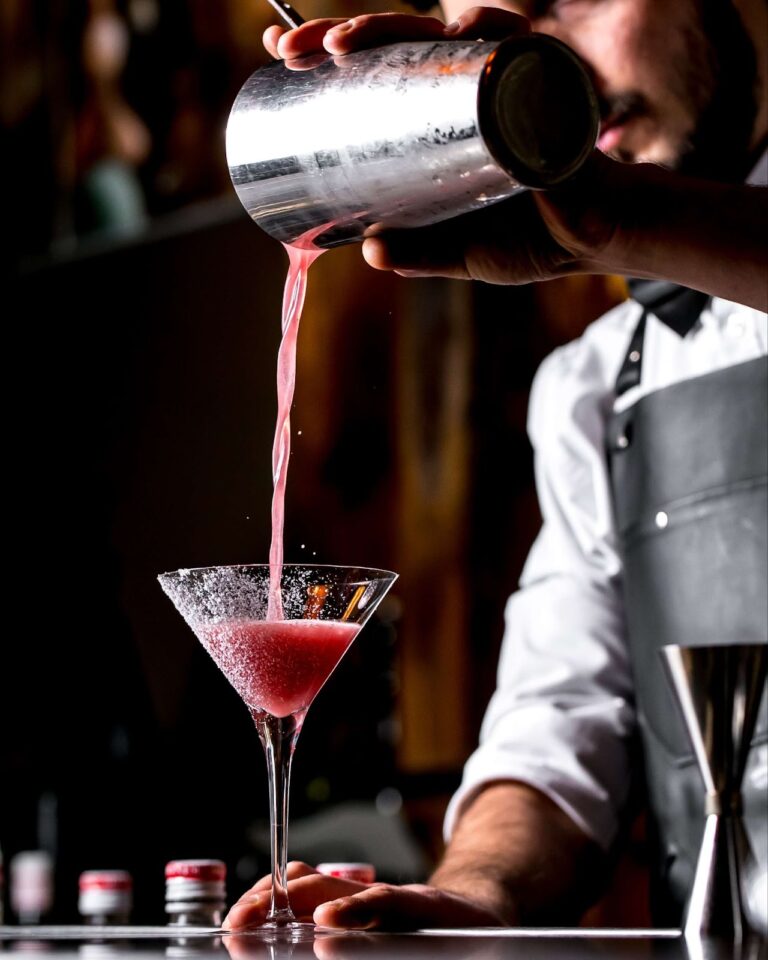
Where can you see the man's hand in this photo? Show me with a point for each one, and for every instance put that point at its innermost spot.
(533, 236)
(515, 857)
(340, 36)
(345, 904)
(634, 219)
(509, 243)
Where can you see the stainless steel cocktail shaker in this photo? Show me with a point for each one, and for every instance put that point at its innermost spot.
(327, 150)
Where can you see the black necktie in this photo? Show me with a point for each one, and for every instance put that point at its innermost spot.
(678, 307)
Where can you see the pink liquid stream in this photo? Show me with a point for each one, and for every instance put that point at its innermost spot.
(300, 258)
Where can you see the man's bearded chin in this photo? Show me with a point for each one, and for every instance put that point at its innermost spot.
(719, 148)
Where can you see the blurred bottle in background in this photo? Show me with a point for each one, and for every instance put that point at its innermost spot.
(31, 886)
(111, 141)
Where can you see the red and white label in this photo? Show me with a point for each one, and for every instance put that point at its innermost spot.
(105, 880)
(361, 872)
(205, 870)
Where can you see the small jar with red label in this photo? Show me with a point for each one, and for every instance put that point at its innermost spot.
(195, 892)
(361, 872)
(105, 897)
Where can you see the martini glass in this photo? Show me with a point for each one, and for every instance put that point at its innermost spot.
(277, 665)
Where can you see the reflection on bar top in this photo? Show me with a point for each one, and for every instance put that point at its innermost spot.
(163, 943)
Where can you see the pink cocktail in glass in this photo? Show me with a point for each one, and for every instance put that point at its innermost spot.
(277, 665)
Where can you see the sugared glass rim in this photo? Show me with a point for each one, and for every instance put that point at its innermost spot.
(284, 566)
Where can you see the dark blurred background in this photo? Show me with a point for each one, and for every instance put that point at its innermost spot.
(141, 324)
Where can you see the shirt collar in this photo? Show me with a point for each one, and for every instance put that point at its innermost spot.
(759, 175)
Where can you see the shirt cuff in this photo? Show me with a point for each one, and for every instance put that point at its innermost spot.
(561, 778)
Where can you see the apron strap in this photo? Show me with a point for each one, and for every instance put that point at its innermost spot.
(678, 307)
(631, 368)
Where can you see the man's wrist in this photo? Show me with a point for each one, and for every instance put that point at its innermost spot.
(515, 853)
(645, 221)
(637, 203)
(589, 219)
(479, 887)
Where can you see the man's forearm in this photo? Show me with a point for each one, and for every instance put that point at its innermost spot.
(518, 854)
(701, 234)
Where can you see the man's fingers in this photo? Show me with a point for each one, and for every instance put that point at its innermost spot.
(373, 30)
(488, 23)
(339, 36)
(306, 39)
(506, 243)
(293, 870)
(420, 252)
(306, 889)
(386, 907)
(252, 907)
(307, 893)
(270, 39)
(250, 910)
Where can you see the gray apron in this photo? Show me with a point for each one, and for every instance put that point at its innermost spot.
(688, 467)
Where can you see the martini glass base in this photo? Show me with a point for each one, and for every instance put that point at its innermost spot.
(294, 931)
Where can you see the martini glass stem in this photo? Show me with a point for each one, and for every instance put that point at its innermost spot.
(278, 736)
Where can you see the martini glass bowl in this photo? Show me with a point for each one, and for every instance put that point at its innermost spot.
(277, 636)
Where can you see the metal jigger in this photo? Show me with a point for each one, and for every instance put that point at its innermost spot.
(719, 689)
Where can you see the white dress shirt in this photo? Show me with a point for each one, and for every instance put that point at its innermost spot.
(563, 710)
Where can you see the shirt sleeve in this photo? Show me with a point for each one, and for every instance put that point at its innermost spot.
(562, 715)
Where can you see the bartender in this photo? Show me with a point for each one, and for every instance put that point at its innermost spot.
(650, 441)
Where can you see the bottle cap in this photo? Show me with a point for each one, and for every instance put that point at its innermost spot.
(194, 880)
(196, 869)
(362, 872)
(104, 892)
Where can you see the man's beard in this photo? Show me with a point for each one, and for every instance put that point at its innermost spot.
(719, 147)
(717, 82)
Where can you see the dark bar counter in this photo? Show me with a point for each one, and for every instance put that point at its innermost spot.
(153, 943)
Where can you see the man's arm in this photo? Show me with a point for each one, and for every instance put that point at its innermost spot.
(633, 219)
(516, 852)
(705, 235)
(515, 858)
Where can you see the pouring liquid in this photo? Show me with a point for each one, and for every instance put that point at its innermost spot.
(300, 257)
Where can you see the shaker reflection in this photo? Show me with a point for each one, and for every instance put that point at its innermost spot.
(754, 947)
